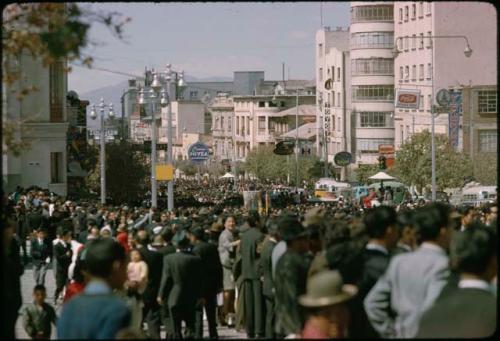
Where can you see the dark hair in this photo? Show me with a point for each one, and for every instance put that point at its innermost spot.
(253, 218)
(226, 217)
(404, 219)
(100, 254)
(378, 219)
(39, 287)
(464, 210)
(335, 233)
(430, 219)
(77, 270)
(167, 234)
(472, 249)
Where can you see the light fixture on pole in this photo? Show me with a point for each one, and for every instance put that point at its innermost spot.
(467, 53)
(102, 138)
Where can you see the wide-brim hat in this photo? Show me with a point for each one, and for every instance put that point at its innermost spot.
(290, 228)
(326, 288)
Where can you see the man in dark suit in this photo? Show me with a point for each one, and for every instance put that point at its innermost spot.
(181, 285)
(469, 311)
(266, 276)
(34, 219)
(83, 235)
(250, 247)
(212, 280)
(41, 251)
(380, 223)
(62, 254)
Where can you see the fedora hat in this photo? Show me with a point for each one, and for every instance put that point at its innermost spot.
(326, 288)
(290, 228)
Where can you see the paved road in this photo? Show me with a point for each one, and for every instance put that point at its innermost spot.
(28, 282)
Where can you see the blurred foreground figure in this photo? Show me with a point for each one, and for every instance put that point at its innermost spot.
(470, 310)
(97, 313)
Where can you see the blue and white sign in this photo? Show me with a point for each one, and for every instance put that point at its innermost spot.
(198, 152)
(454, 117)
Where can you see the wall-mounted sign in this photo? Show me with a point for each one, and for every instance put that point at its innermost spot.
(454, 118)
(407, 99)
(284, 148)
(443, 97)
(342, 159)
(198, 152)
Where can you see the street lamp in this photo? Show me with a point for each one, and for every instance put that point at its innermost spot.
(93, 115)
(467, 53)
(158, 92)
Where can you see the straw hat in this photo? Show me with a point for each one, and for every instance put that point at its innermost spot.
(326, 288)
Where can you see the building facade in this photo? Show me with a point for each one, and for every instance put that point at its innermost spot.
(430, 59)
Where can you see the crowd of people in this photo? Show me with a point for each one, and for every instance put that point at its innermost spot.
(305, 270)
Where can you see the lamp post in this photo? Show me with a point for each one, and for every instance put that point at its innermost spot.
(297, 140)
(102, 138)
(467, 53)
(122, 100)
(159, 93)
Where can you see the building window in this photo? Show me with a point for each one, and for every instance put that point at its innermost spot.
(406, 13)
(237, 125)
(373, 119)
(420, 9)
(248, 125)
(428, 8)
(372, 40)
(320, 74)
(421, 41)
(333, 122)
(372, 66)
(407, 73)
(262, 125)
(401, 131)
(262, 104)
(488, 141)
(413, 12)
(429, 103)
(320, 50)
(272, 104)
(401, 73)
(429, 71)
(429, 39)
(400, 15)
(56, 168)
(372, 13)
(333, 99)
(421, 103)
(282, 103)
(487, 101)
(371, 145)
(338, 74)
(339, 104)
(339, 124)
(193, 94)
(382, 93)
(421, 72)
(229, 123)
(56, 78)
(406, 43)
(222, 123)
(413, 42)
(414, 73)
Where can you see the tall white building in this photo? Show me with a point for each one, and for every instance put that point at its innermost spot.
(416, 68)
(372, 78)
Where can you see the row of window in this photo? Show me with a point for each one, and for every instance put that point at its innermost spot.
(488, 141)
(372, 40)
(404, 13)
(371, 145)
(372, 13)
(406, 43)
(487, 101)
(404, 72)
(331, 99)
(372, 66)
(375, 119)
(382, 93)
(330, 74)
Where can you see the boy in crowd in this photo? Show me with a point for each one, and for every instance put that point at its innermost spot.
(39, 316)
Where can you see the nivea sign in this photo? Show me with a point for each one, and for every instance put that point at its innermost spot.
(198, 152)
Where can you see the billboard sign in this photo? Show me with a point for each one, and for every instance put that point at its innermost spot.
(198, 152)
(407, 98)
(454, 117)
(343, 159)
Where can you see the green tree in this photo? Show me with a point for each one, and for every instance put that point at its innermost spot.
(188, 167)
(126, 173)
(363, 172)
(412, 163)
(485, 168)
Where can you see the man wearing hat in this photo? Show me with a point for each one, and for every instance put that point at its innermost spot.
(290, 276)
(325, 303)
(212, 280)
(181, 286)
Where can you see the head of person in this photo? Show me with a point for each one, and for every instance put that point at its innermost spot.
(380, 223)
(39, 294)
(163, 217)
(91, 223)
(490, 213)
(293, 233)
(41, 234)
(406, 228)
(142, 238)
(314, 238)
(196, 234)
(106, 259)
(66, 235)
(229, 223)
(135, 256)
(181, 240)
(8, 231)
(105, 232)
(467, 213)
(433, 224)
(474, 251)
(326, 301)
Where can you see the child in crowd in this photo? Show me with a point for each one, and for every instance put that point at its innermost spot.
(39, 316)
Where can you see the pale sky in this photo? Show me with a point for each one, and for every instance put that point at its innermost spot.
(209, 39)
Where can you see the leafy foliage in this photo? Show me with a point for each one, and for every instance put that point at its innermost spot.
(485, 168)
(363, 172)
(126, 173)
(10, 141)
(412, 164)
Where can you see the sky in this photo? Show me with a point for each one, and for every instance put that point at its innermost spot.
(208, 39)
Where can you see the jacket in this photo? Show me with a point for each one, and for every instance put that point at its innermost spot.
(40, 252)
(35, 320)
(250, 255)
(266, 268)
(212, 268)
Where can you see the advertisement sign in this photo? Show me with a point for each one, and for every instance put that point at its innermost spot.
(387, 150)
(342, 159)
(164, 172)
(252, 200)
(454, 117)
(198, 152)
(408, 98)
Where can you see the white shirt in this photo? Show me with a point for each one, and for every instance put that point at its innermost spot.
(431, 246)
(474, 283)
(373, 246)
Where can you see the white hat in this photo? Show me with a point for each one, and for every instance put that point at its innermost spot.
(157, 229)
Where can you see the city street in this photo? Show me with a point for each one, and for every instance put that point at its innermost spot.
(27, 284)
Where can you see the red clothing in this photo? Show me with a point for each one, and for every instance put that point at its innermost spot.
(122, 238)
(310, 332)
(74, 288)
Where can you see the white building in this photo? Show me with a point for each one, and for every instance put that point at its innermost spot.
(222, 112)
(43, 123)
(332, 84)
(372, 78)
(414, 22)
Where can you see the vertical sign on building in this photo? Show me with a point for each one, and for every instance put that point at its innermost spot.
(454, 117)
